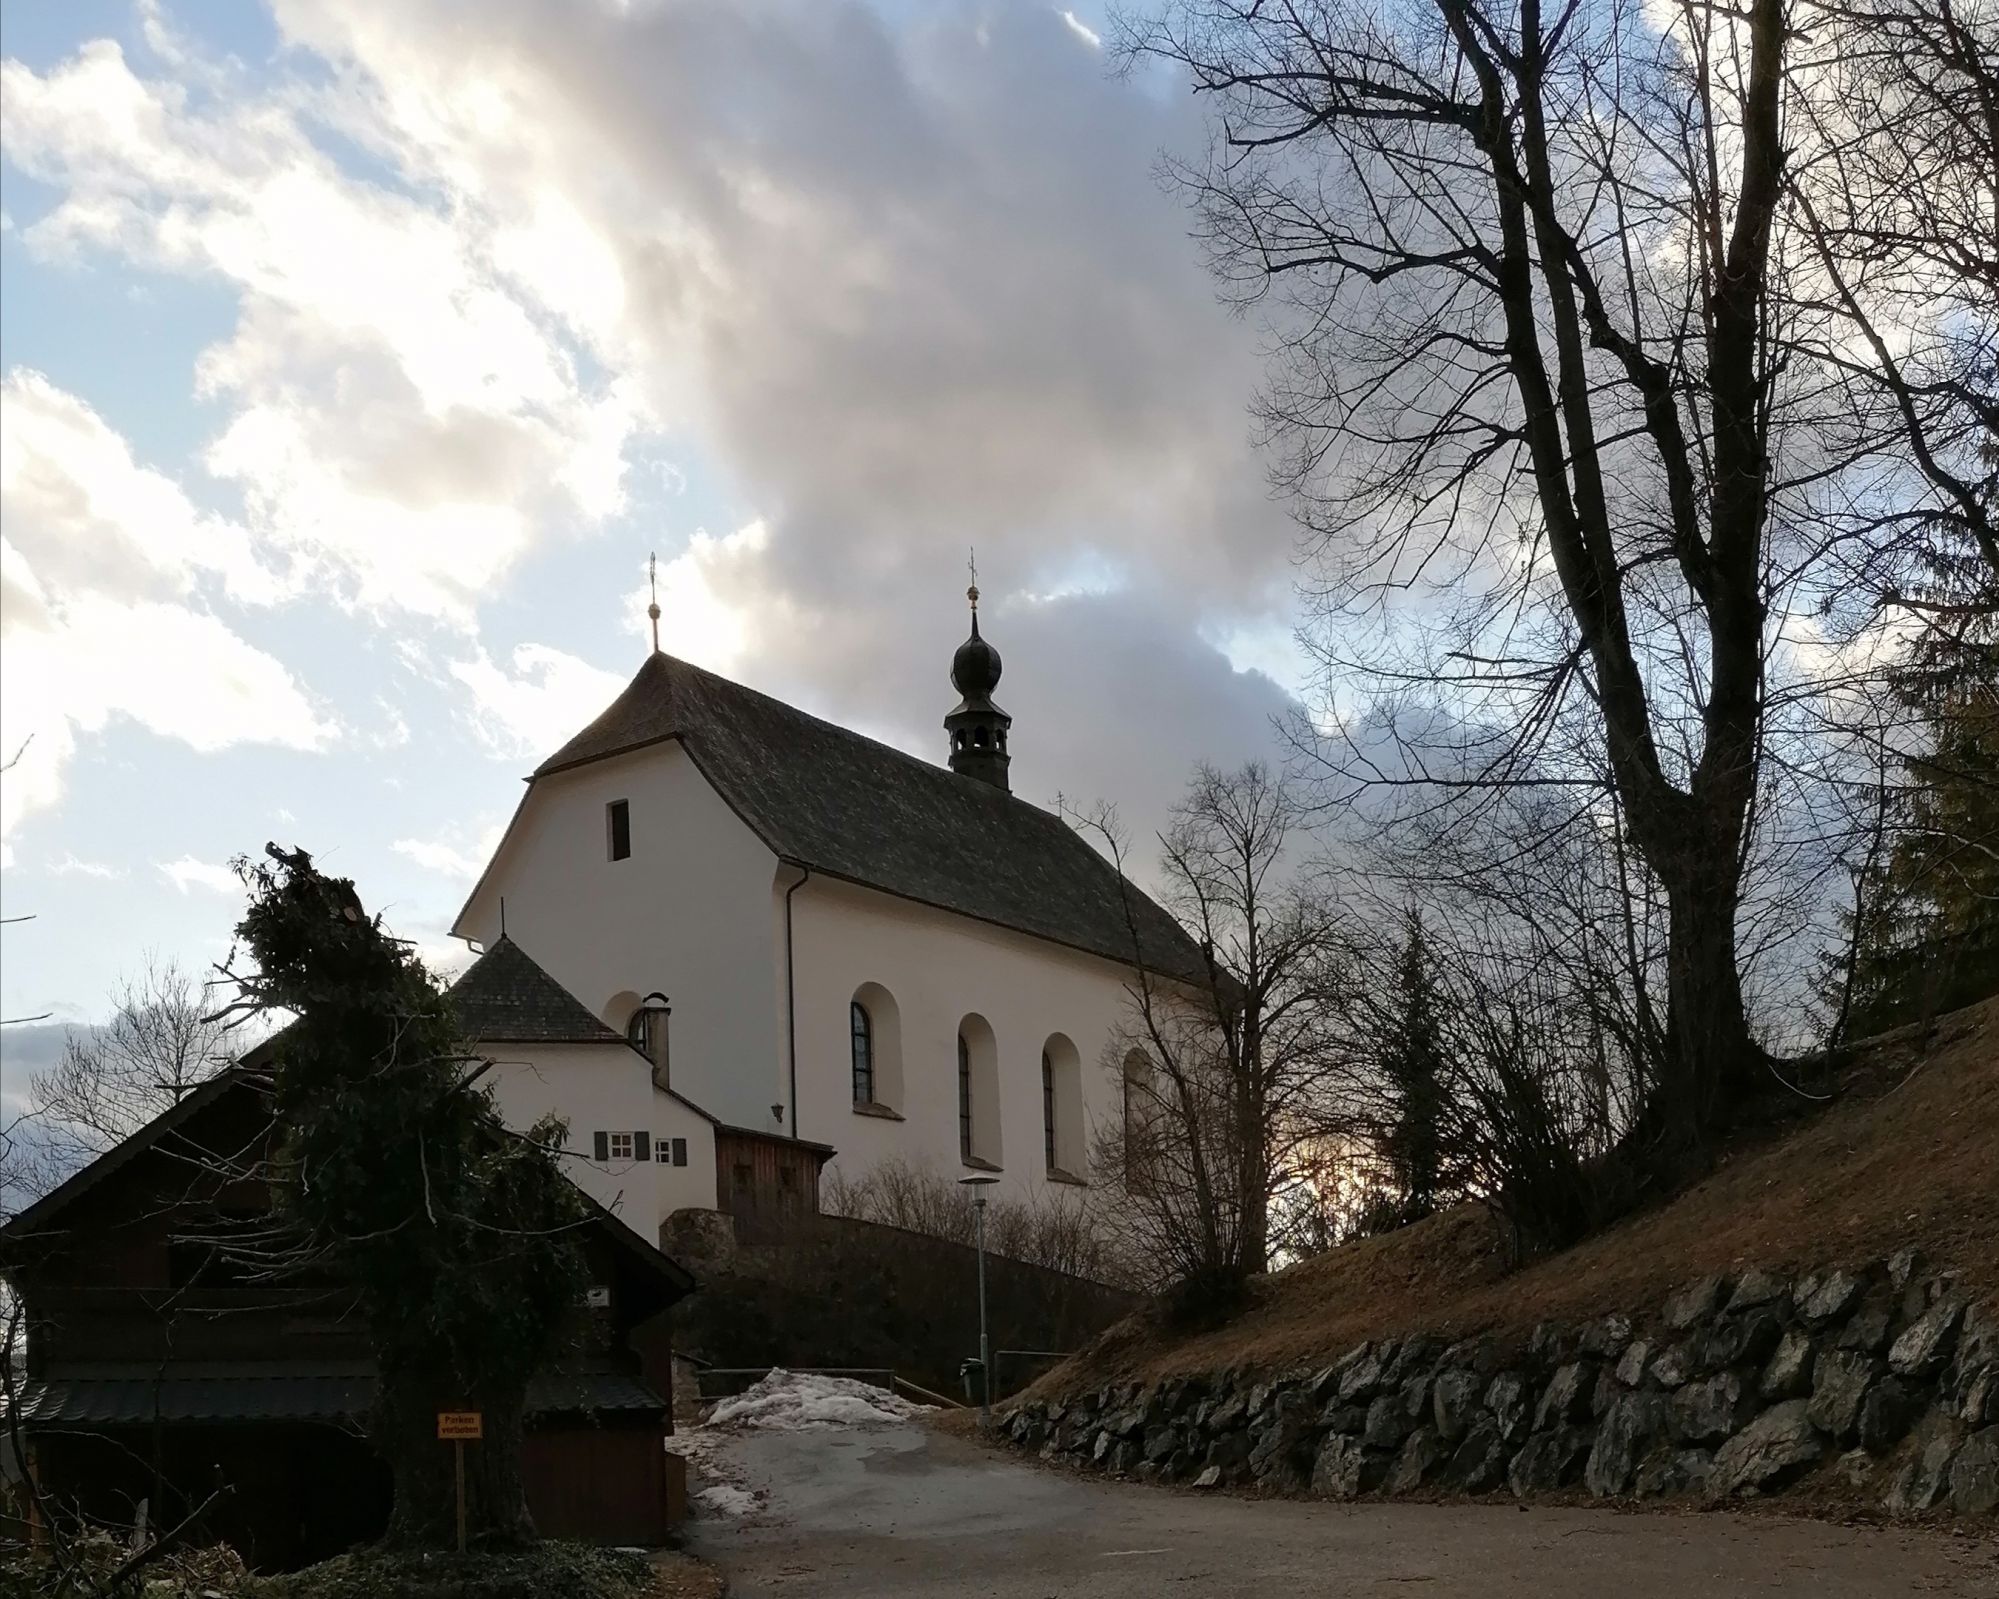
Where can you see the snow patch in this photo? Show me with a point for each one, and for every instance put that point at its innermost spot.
(793, 1401)
(725, 1499)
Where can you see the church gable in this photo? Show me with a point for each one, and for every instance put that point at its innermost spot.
(831, 800)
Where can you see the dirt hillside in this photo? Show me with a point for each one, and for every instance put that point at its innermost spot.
(1907, 1153)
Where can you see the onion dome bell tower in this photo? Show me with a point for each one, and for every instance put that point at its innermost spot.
(977, 727)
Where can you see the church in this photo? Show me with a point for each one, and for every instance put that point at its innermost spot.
(735, 945)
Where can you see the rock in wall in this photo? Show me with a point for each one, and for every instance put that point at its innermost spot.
(1734, 1386)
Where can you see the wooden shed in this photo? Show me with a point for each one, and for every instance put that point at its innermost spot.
(151, 1376)
(768, 1183)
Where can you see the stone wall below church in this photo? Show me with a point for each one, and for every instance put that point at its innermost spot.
(1887, 1377)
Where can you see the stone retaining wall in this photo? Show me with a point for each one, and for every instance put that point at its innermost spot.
(1734, 1386)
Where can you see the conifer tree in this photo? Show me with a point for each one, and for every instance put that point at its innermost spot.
(1413, 1064)
(391, 1172)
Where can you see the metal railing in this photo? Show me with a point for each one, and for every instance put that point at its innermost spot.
(1023, 1354)
(882, 1376)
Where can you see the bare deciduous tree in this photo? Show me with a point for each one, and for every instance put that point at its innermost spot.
(160, 1043)
(1552, 394)
(1050, 1231)
(1895, 176)
(1219, 1074)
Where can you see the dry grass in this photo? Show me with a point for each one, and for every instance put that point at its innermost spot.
(1907, 1154)
(681, 1576)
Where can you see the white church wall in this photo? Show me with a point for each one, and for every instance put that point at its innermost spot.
(939, 969)
(686, 914)
(608, 1088)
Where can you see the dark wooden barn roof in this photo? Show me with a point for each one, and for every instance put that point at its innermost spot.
(279, 1391)
(825, 798)
(175, 1128)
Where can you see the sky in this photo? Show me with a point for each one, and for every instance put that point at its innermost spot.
(357, 357)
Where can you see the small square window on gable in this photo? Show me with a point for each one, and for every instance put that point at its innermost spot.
(618, 828)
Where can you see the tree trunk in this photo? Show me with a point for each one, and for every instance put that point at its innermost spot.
(1252, 1154)
(1708, 1047)
(422, 1466)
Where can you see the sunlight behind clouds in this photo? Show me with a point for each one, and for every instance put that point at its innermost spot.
(404, 420)
(188, 874)
(102, 575)
(527, 710)
(852, 288)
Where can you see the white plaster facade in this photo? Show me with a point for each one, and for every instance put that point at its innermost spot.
(689, 914)
(608, 1088)
(744, 945)
(943, 971)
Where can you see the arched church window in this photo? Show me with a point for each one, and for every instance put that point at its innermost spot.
(978, 1094)
(1062, 1109)
(861, 1029)
(964, 1099)
(874, 1046)
(1048, 1112)
(1137, 1113)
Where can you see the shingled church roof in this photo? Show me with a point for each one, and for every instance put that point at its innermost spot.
(505, 998)
(823, 797)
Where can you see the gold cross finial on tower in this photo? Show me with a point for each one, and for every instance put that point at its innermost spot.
(652, 610)
(972, 563)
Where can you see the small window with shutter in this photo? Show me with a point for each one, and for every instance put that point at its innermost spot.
(621, 1146)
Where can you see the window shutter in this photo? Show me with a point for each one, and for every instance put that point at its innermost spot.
(603, 1146)
(642, 1147)
(680, 1152)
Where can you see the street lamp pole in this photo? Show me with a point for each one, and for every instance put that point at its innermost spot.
(978, 1186)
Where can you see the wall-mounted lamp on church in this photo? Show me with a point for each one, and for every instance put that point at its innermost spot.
(648, 1032)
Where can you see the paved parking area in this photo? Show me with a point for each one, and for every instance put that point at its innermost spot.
(907, 1511)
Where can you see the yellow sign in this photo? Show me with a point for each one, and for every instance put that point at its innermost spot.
(461, 1424)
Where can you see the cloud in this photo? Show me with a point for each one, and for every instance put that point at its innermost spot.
(1087, 34)
(107, 578)
(453, 856)
(187, 874)
(899, 283)
(528, 711)
(911, 282)
(720, 600)
(404, 419)
(87, 514)
(444, 955)
(69, 866)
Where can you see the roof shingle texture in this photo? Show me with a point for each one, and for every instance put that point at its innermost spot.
(248, 1394)
(827, 798)
(504, 997)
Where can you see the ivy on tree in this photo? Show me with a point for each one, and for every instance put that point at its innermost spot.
(392, 1172)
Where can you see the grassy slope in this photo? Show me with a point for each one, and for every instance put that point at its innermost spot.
(1907, 1154)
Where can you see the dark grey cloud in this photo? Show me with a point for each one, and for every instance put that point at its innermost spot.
(911, 278)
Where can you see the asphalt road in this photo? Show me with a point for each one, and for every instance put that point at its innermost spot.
(906, 1511)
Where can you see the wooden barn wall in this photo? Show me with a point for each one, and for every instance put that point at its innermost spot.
(767, 1184)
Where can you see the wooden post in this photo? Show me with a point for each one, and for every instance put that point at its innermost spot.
(459, 1425)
